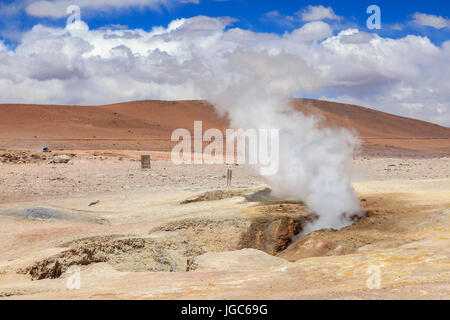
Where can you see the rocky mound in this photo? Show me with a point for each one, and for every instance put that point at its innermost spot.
(216, 195)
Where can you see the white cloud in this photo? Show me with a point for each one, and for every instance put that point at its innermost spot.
(279, 19)
(357, 37)
(310, 13)
(430, 20)
(404, 76)
(57, 8)
(315, 13)
(13, 8)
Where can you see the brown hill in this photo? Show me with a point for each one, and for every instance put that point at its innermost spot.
(148, 125)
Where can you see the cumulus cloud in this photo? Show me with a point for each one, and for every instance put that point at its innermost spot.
(430, 20)
(315, 13)
(310, 13)
(404, 76)
(248, 75)
(13, 8)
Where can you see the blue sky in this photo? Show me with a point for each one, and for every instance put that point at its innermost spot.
(250, 15)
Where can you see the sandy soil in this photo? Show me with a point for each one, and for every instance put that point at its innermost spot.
(140, 242)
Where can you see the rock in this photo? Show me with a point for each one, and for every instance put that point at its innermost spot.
(242, 260)
(270, 232)
(215, 195)
(60, 159)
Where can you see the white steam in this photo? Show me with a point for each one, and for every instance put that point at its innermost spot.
(315, 164)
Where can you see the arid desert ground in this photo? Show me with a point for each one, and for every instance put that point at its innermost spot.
(178, 232)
